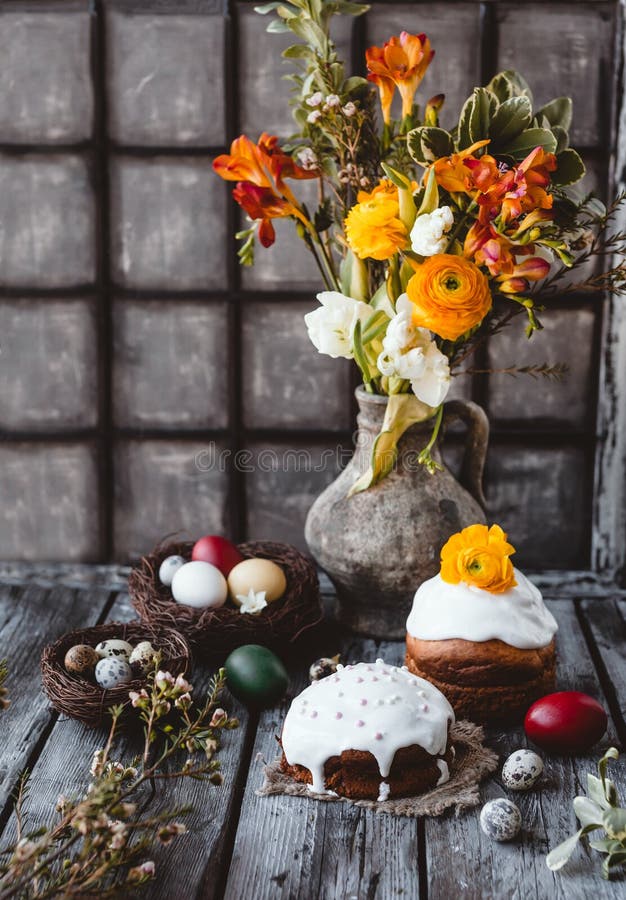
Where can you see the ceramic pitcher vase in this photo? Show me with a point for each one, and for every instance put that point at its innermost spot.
(379, 545)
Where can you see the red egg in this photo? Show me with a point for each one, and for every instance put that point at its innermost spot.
(218, 551)
(567, 722)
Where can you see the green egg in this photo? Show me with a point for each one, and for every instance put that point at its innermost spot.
(256, 676)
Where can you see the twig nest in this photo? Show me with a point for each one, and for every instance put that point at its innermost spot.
(500, 819)
(105, 681)
(273, 615)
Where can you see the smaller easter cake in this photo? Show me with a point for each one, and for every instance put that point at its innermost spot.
(370, 731)
(480, 630)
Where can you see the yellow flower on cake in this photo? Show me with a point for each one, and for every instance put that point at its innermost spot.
(450, 295)
(374, 229)
(479, 556)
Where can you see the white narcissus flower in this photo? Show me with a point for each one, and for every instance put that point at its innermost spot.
(331, 326)
(409, 352)
(428, 235)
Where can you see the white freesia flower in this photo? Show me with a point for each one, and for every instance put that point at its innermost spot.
(428, 232)
(331, 326)
(409, 352)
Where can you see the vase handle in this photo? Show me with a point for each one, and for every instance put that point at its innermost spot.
(476, 441)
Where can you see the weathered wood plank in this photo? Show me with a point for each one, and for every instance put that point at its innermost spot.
(31, 617)
(607, 623)
(463, 862)
(192, 865)
(297, 848)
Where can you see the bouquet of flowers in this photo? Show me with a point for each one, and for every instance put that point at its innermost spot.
(428, 241)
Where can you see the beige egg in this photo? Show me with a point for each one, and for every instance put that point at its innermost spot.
(258, 575)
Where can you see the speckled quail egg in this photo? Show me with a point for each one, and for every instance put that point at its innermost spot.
(323, 667)
(114, 648)
(500, 819)
(141, 657)
(81, 659)
(168, 568)
(111, 671)
(521, 770)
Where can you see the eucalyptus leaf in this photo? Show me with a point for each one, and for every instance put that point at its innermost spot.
(475, 117)
(277, 26)
(414, 145)
(557, 858)
(523, 144)
(298, 51)
(614, 821)
(569, 167)
(562, 138)
(502, 86)
(436, 142)
(588, 812)
(519, 85)
(558, 112)
(511, 119)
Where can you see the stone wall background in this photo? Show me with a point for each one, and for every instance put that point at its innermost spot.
(137, 360)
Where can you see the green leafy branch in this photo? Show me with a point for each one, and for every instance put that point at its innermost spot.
(600, 809)
(554, 372)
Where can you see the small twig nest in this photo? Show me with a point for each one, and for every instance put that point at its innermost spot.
(215, 632)
(83, 699)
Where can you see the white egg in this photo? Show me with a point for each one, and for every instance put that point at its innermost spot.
(114, 648)
(199, 584)
(111, 671)
(168, 568)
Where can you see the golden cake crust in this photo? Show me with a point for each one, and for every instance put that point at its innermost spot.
(484, 680)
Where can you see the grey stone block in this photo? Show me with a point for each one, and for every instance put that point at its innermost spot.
(567, 337)
(47, 222)
(286, 382)
(281, 485)
(539, 496)
(165, 79)
(563, 50)
(168, 227)
(163, 487)
(45, 79)
(50, 502)
(49, 364)
(171, 365)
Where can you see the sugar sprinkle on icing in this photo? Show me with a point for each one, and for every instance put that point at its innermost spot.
(399, 720)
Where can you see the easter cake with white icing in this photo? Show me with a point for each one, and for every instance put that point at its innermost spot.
(369, 731)
(480, 631)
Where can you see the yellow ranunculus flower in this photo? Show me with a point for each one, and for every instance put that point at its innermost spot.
(479, 556)
(373, 227)
(450, 295)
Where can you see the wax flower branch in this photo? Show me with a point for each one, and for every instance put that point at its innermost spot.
(428, 241)
(101, 842)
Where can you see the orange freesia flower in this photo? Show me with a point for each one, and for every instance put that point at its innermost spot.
(450, 295)
(479, 556)
(500, 255)
(533, 269)
(401, 62)
(260, 170)
(453, 173)
(519, 190)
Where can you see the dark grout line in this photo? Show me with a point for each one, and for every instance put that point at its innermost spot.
(606, 683)
(422, 862)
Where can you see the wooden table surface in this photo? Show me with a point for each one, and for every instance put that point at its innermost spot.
(243, 846)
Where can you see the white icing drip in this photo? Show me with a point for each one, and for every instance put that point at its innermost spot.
(518, 616)
(383, 792)
(442, 765)
(394, 716)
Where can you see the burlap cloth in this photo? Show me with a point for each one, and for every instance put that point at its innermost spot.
(472, 763)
